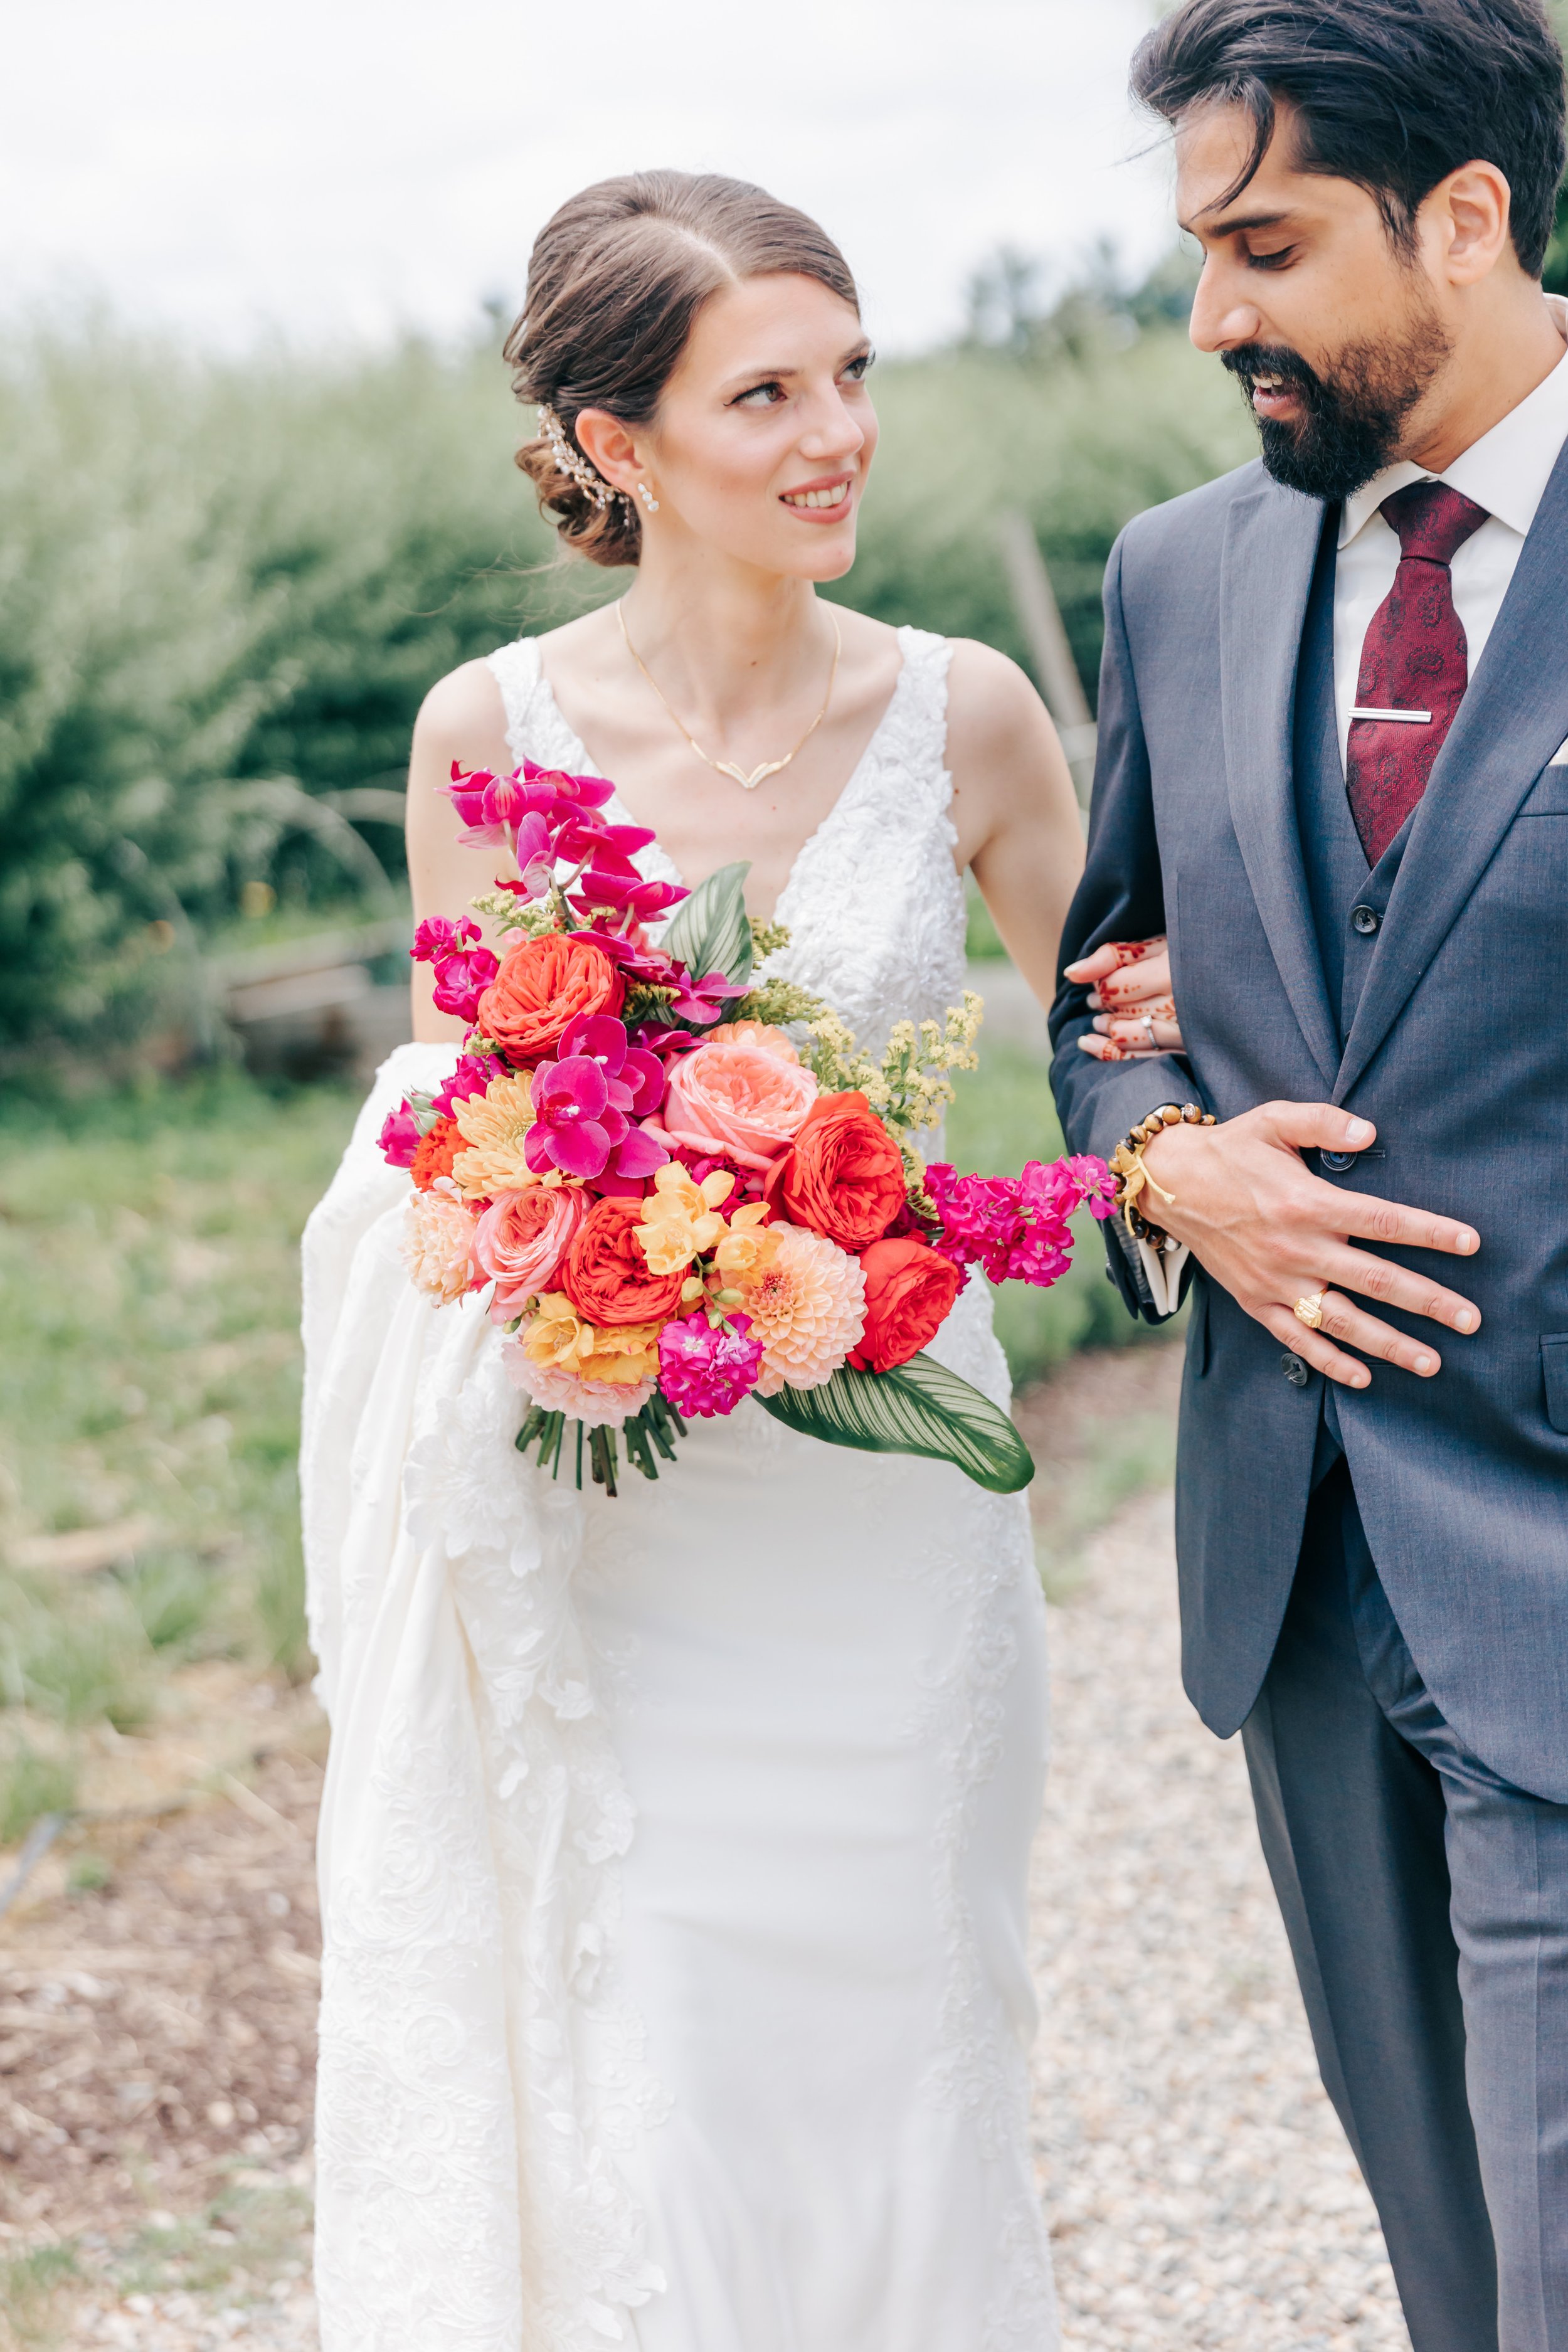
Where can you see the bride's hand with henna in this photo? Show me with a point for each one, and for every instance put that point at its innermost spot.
(1129, 984)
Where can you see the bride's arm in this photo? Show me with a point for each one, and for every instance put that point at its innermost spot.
(462, 719)
(1018, 830)
(1013, 806)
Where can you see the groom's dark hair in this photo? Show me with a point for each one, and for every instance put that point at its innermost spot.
(1393, 94)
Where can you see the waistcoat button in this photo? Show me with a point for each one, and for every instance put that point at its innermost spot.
(1364, 920)
(1336, 1162)
(1294, 1371)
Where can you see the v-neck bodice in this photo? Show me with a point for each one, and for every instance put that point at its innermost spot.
(874, 904)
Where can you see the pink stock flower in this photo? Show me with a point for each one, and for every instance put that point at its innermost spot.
(399, 1137)
(520, 1240)
(739, 1101)
(1017, 1227)
(436, 938)
(471, 1077)
(461, 979)
(705, 1370)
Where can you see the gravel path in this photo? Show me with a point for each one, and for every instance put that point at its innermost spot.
(1201, 2192)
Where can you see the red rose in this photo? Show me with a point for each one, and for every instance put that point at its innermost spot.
(843, 1177)
(605, 1274)
(910, 1290)
(540, 989)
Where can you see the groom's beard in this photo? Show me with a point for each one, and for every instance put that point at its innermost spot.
(1353, 419)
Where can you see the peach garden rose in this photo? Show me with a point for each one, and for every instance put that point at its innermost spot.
(743, 1099)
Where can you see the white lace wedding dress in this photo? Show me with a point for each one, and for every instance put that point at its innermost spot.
(673, 1849)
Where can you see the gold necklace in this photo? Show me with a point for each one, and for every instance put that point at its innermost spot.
(727, 767)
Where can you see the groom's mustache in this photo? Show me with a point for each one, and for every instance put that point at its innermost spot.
(1250, 360)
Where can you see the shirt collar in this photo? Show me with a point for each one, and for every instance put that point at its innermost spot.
(1506, 471)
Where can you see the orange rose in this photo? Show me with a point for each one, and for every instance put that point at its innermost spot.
(910, 1289)
(435, 1153)
(604, 1273)
(542, 987)
(843, 1177)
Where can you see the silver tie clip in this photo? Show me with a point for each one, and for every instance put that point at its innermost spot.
(1410, 718)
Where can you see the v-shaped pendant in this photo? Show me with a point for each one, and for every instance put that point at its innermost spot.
(748, 783)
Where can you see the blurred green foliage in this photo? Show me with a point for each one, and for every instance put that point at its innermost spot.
(221, 580)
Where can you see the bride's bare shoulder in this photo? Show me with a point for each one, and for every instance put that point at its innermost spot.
(463, 717)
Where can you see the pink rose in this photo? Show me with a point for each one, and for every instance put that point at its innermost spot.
(521, 1239)
(740, 1100)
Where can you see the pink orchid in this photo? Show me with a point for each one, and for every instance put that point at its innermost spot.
(570, 792)
(602, 892)
(702, 1001)
(467, 793)
(635, 1078)
(575, 1125)
(580, 1106)
(399, 1137)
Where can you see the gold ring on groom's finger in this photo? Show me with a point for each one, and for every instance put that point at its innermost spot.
(1310, 1311)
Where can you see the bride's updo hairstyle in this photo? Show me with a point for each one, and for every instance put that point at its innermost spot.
(615, 284)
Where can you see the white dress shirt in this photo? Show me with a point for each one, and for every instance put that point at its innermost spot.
(1506, 471)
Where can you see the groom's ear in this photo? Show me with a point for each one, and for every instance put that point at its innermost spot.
(1464, 227)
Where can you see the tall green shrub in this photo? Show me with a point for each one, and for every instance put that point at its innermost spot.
(219, 576)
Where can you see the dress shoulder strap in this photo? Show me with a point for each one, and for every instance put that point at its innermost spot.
(914, 733)
(535, 728)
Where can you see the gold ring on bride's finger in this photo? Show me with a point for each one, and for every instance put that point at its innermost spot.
(1310, 1311)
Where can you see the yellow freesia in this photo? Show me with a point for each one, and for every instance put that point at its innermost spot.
(679, 1218)
(748, 1244)
(558, 1335)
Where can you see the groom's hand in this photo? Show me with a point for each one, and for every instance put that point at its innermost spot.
(1272, 1233)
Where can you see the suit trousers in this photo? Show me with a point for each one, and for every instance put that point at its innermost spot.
(1425, 1900)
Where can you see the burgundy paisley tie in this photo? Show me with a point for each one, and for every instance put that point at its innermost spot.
(1414, 658)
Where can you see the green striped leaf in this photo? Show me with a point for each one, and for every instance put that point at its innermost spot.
(921, 1408)
(711, 932)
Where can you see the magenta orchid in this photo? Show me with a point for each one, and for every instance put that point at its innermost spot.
(579, 1131)
(584, 1104)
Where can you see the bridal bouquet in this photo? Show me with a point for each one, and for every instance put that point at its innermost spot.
(681, 1189)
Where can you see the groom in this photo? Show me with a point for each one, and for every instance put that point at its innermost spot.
(1333, 727)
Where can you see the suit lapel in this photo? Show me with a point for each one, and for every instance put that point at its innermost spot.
(1270, 550)
(1511, 720)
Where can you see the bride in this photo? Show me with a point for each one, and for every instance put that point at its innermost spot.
(673, 1852)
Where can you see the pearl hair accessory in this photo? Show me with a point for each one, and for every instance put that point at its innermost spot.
(572, 461)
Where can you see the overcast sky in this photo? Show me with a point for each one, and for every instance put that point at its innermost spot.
(339, 168)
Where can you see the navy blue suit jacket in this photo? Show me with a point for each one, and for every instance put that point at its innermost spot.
(1457, 1049)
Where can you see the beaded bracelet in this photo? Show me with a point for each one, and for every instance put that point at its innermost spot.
(1127, 1162)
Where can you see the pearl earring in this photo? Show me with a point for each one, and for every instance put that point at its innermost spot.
(647, 498)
